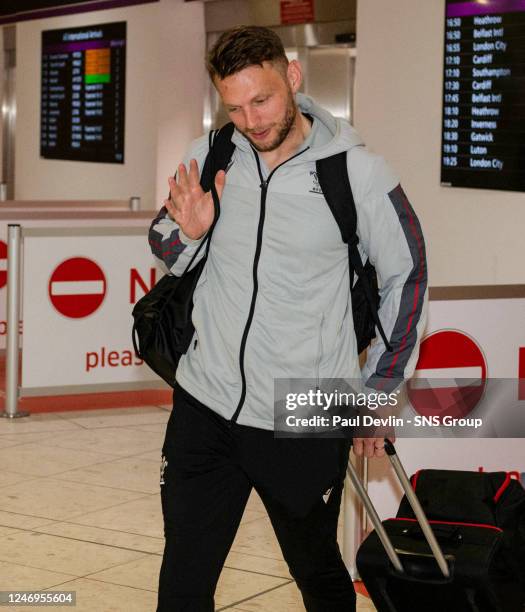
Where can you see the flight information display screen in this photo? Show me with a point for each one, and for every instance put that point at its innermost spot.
(83, 93)
(483, 129)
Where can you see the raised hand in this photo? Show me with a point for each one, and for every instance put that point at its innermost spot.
(189, 206)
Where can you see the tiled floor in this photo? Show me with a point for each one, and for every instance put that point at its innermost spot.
(80, 511)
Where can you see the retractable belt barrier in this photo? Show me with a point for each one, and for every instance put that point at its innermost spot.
(76, 288)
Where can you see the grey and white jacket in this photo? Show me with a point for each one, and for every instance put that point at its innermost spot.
(273, 300)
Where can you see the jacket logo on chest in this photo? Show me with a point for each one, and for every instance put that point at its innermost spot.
(316, 187)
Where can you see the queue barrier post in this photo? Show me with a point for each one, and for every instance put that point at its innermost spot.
(134, 203)
(14, 247)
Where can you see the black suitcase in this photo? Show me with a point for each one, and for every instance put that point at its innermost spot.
(436, 565)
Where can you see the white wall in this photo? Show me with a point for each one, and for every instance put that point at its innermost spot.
(473, 236)
(164, 89)
(182, 79)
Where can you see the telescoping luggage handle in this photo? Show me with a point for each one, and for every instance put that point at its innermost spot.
(416, 507)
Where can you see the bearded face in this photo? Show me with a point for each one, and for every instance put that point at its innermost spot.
(260, 102)
(277, 132)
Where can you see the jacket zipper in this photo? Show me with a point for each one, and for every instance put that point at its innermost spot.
(264, 191)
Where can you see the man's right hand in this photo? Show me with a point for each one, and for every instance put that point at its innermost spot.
(371, 447)
(189, 206)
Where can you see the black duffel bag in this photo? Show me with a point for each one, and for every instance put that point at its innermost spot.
(162, 327)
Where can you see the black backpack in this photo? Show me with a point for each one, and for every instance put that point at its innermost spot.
(162, 329)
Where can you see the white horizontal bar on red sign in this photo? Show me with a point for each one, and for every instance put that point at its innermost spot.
(77, 287)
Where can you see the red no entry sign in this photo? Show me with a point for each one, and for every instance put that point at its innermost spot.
(3, 264)
(77, 287)
(450, 375)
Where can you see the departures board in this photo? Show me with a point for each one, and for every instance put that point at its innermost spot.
(83, 93)
(483, 129)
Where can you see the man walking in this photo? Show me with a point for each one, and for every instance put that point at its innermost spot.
(273, 302)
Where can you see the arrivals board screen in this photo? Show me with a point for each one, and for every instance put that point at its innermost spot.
(83, 93)
(483, 129)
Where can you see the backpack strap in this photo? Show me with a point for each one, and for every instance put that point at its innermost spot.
(219, 156)
(332, 173)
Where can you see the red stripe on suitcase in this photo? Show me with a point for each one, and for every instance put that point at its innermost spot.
(414, 479)
(504, 485)
(499, 492)
(400, 518)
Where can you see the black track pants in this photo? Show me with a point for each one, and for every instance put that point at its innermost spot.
(208, 471)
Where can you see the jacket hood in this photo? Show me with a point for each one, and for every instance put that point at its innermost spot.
(329, 134)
